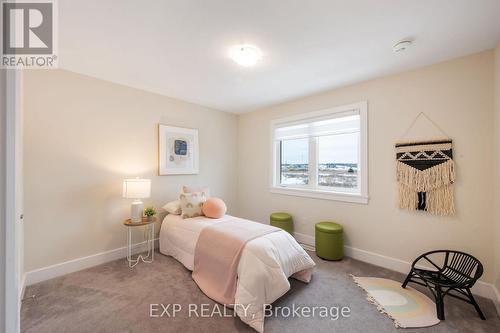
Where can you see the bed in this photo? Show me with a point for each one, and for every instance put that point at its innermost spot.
(263, 270)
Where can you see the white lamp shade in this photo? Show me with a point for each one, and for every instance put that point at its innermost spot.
(136, 188)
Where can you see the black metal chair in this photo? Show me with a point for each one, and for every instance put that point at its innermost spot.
(458, 273)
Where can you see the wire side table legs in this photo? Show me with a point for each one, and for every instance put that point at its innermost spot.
(150, 243)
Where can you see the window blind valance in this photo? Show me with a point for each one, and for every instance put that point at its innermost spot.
(337, 123)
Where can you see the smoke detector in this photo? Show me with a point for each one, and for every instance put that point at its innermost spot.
(401, 45)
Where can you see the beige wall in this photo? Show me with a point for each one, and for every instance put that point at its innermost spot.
(458, 95)
(82, 137)
(497, 167)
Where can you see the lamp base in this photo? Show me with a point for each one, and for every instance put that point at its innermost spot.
(136, 211)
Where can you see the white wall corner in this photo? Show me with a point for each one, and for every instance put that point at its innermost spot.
(481, 288)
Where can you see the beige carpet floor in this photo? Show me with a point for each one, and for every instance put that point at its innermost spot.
(114, 298)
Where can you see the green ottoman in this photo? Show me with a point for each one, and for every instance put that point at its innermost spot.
(329, 241)
(283, 221)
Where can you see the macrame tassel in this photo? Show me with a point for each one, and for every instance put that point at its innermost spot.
(408, 198)
(436, 182)
(426, 180)
(440, 201)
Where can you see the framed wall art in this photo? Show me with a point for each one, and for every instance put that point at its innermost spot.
(177, 150)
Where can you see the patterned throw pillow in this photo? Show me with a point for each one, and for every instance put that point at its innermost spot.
(192, 203)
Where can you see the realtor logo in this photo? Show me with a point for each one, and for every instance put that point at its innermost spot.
(28, 34)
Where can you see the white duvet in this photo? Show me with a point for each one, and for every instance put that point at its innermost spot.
(265, 264)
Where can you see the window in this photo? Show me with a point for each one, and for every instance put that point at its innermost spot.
(322, 154)
(294, 162)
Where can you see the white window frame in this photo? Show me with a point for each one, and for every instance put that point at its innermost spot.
(323, 192)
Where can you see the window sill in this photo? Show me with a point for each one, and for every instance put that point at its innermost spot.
(318, 194)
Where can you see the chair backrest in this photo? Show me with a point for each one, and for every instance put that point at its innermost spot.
(461, 267)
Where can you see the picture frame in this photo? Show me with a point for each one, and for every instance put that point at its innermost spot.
(178, 150)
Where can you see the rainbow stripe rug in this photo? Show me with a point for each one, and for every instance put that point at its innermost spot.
(408, 308)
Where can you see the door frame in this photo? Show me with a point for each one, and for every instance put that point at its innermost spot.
(13, 202)
(13, 123)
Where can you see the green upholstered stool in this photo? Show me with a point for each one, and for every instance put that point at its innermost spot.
(329, 240)
(283, 221)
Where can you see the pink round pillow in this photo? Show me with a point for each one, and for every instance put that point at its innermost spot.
(214, 208)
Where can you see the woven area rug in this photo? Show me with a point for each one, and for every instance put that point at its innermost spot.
(408, 308)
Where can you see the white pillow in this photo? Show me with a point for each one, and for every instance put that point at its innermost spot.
(173, 207)
(192, 189)
(192, 203)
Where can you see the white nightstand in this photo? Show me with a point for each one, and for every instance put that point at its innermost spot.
(150, 240)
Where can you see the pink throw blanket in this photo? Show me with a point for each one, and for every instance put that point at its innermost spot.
(217, 255)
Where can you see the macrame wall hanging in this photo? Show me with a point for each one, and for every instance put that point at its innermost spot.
(425, 174)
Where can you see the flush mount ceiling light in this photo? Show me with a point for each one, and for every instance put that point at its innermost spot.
(401, 45)
(245, 55)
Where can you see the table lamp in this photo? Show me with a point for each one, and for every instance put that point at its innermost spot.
(136, 189)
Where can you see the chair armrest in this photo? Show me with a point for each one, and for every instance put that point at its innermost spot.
(424, 256)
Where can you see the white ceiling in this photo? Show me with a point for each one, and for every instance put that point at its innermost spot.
(179, 48)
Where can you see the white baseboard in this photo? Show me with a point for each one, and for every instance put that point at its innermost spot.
(306, 241)
(481, 288)
(78, 264)
(22, 288)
